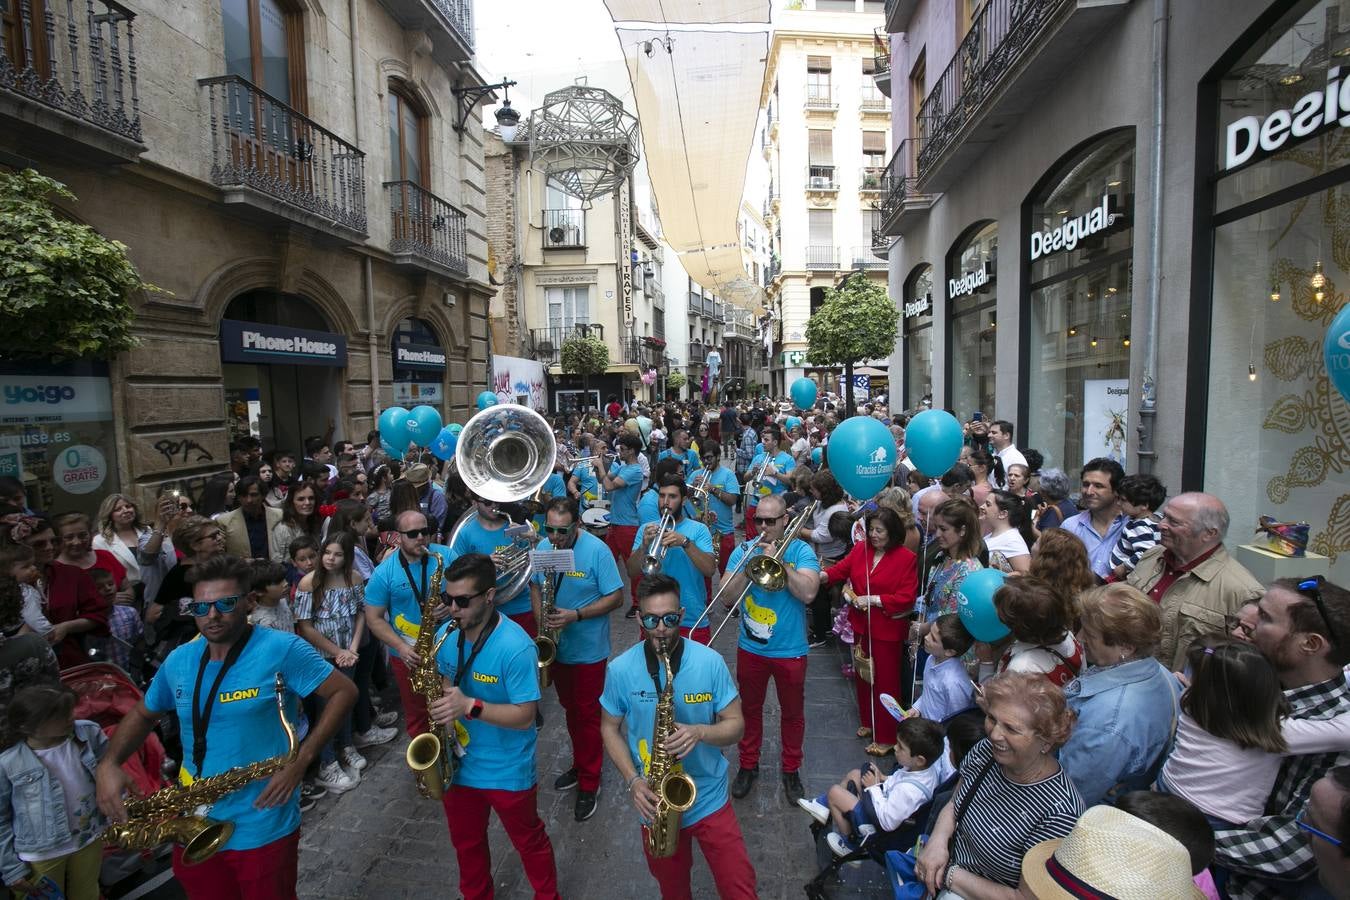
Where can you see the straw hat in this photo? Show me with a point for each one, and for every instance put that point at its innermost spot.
(417, 475)
(1111, 854)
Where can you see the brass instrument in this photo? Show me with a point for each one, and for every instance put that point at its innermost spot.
(675, 791)
(701, 489)
(726, 580)
(170, 814)
(656, 551)
(547, 641)
(767, 571)
(752, 486)
(431, 755)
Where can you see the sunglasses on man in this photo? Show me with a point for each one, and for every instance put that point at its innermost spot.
(415, 533)
(202, 608)
(651, 620)
(461, 600)
(768, 520)
(559, 529)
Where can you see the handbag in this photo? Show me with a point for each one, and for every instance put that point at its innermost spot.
(862, 664)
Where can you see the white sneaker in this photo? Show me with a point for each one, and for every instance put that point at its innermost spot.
(816, 810)
(376, 735)
(335, 779)
(351, 759)
(841, 845)
(386, 718)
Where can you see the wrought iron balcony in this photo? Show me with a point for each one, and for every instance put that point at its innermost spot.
(426, 229)
(881, 243)
(820, 97)
(1013, 52)
(866, 258)
(564, 229)
(447, 23)
(698, 354)
(822, 258)
(272, 160)
(68, 77)
(546, 343)
(881, 61)
(821, 178)
(872, 100)
(902, 202)
(459, 13)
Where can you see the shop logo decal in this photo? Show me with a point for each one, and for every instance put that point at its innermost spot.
(1314, 112)
(38, 393)
(1071, 231)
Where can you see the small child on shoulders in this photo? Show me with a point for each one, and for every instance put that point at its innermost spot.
(947, 688)
(1141, 496)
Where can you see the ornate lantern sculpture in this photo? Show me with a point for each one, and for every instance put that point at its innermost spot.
(585, 141)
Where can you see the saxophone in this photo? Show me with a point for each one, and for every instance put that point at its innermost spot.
(675, 791)
(547, 641)
(431, 755)
(169, 814)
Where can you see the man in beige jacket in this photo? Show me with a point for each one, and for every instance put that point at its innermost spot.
(1191, 576)
(248, 529)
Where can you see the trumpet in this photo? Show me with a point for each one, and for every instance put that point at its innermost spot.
(752, 486)
(702, 490)
(656, 551)
(568, 461)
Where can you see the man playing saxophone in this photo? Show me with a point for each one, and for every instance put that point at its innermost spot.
(583, 599)
(707, 716)
(686, 551)
(490, 684)
(223, 690)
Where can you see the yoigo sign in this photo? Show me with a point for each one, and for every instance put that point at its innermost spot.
(35, 399)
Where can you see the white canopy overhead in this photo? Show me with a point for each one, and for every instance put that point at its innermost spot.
(683, 12)
(698, 105)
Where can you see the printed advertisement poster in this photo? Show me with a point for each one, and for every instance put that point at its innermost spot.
(516, 380)
(1106, 407)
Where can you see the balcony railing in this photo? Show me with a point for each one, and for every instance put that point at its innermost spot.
(824, 258)
(259, 143)
(698, 354)
(820, 178)
(547, 342)
(460, 15)
(902, 197)
(425, 227)
(77, 58)
(871, 179)
(821, 96)
(871, 99)
(564, 229)
(866, 258)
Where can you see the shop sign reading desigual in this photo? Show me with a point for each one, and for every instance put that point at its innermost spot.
(1315, 111)
(969, 283)
(1071, 231)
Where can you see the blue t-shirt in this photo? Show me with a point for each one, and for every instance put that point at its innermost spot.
(723, 479)
(595, 574)
(587, 484)
(243, 727)
(555, 486)
(678, 565)
(505, 671)
(703, 688)
(649, 507)
(474, 538)
(688, 457)
(774, 484)
(388, 588)
(623, 501)
(773, 623)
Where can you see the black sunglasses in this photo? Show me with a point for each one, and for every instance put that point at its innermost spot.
(1312, 589)
(767, 520)
(419, 532)
(558, 529)
(461, 600)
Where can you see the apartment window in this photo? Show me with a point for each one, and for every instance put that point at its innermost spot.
(820, 153)
(967, 11)
(568, 306)
(21, 33)
(869, 66)
(874, 148)
(820, 228)
(265, 44)
(818, 78)
(408, 156)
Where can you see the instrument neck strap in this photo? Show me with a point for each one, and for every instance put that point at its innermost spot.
(463, 666)
(654, 664)
(201, 716)
(421, 595)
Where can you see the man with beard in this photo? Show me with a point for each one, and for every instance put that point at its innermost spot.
(688, 557)
(1099, 525)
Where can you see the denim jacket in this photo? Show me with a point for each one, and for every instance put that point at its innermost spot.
(1126, 718)
(32, 802)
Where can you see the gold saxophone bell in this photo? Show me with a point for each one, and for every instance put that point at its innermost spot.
(424, 757)
(201, 837)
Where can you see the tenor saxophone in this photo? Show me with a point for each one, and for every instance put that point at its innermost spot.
(430, 755)
(170, 814)
(547, 641)
(675, 791)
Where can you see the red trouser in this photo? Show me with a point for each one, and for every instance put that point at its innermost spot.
(886, 659)
(620, 539)
(263, 873)
(466, 812)
(579, 686)
(750, 529)
(415, 718)
(726, 547)
(719, 837)
(526, 620)
(789, 680)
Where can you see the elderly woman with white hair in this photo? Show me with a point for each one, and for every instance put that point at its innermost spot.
(1056, 507)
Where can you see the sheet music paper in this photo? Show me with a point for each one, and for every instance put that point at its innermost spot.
(552, 560)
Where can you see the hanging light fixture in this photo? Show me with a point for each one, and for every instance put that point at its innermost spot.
(1093, 342)
(1251, 371)
(1125, 341)
(1318, 282)
(1251, 354)
(1274, 290)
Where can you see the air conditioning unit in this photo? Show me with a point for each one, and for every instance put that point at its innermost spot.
(563, 236)
(543, 348)
(820, 183)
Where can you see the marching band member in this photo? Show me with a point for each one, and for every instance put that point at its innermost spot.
(688, 554)
(679, 449)
(707, 716)
(773, 645)
(584, 598)
(723, 489)
(490, 679)
(223, 690)
(486, 534)
(396, 589)
(622, 482)
(779, 463)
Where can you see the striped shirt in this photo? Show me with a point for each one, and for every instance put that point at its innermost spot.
(1003, 820)
(1137, 536)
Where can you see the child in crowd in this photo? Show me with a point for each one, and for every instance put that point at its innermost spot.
(54, 825)
(1182, 821)
(947, 688)
(304, 556)
(270, 589)
(1140, 498)
(868, 801)
(1232, 733)
(17, 561)
(125, 631)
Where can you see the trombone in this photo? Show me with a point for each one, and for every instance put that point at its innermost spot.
(656, 551)
(752, 486)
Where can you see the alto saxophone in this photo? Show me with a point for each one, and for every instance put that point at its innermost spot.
(169, 814)
(675, 791)
(431, 755)
(547, 641)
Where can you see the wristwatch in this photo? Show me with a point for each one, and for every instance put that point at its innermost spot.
(476, 710)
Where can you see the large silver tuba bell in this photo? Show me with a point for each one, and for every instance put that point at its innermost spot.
(505, 454)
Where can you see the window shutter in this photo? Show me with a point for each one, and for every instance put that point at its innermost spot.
(820, 149)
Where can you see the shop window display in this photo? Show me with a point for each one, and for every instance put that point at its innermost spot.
(971, 356)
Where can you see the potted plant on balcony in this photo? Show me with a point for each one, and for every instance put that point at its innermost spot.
(63, 286)
(654, 342)
(584, 355)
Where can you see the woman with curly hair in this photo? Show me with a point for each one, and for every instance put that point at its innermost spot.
(1060, 558)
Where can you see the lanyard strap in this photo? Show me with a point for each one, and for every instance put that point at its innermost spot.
(464, 666)
(407, 570)
(201, 716)
(654, 664)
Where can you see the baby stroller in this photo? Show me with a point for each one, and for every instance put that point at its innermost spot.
(105, 694)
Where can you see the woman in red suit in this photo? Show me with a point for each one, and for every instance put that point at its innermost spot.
(883, 581)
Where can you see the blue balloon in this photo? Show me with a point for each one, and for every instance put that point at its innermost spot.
(455, 427)
(1336, 352)
(933, 439)
(424, 423)
(443, 447)
(803, 393)
(388, 448)
(791, 423)
(816, 456)
(976, 605)
(486, 399)
(862, 456)
(394, 430)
